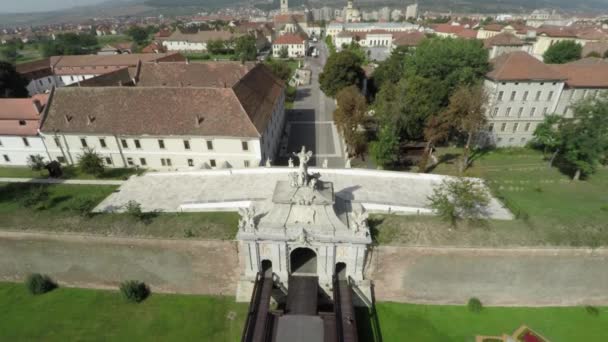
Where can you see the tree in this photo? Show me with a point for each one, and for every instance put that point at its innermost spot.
(284, 52)
(350, 118)
(584, 138)
(134, 291)
(563, 52)
(435, 130)
(36, 162)
(90, 162)
(216, 46)
(392, 69)
(9, 53)
(280, 69)
(460, 198)
(69, 44)
(546, 136)
(386, 149)
(245, 48)
(138, 34)
(12, 84)
(466, 113)
(38, 284)
(343, 69)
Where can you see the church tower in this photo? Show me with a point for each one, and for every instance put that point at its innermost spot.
(284, 6)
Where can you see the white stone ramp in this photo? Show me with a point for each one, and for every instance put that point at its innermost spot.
(213, 190)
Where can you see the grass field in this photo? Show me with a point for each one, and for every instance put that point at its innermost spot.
(63, 208)
(69, 172)
(427, 323)
(112, 39)
(89, 315)
(551, 209)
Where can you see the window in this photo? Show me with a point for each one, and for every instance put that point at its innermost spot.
(130, 161)
(124, 143)
(522, 140)
(572, 93)
(22, 123)
(108, 161)
(6, 158)
(26, 142)
(245, 146)
(495, 111)
(56, 140)
(526, 95)
(511, 140)
(161, 144)
(499, 139)
(209, 145)
(143, 161)
(190, 162)
(503, 126)
(212, 162)
(500, 95)
(545, 110)
(246, 163)
(168, 162)
(550, 96)
(527, 127)
(520, 112)
(163, 162)
(538, 95)
(508, 113)
(532, 111)
(515, 127)
(491, 127)
(513, 94)
(61, 160)
(186, 144)
(0, 142)
(137, 143)
(102, 142)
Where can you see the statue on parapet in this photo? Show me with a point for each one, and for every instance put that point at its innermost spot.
(247, 220)
(302, 173)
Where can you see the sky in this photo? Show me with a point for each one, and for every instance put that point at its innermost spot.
(17, 6)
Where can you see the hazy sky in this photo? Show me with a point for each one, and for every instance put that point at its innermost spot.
(15, 6)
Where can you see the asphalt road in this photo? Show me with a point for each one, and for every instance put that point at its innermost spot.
(310, 123)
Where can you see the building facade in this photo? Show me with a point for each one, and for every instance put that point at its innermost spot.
(296, 45)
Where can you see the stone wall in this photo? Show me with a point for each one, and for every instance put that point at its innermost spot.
(526, 277)
(184, 266)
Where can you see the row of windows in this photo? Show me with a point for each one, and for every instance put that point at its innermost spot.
(515, 127)
(525, 96)
(163, 161)
(161, 144)
(25, 141)
(7, 159)
(520, 112)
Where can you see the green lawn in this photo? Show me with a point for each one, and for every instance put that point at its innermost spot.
(422, 323)
(112, 39)
(551, 209)
(62, 208)
(209, 57)
(69, 172)
(88, 315)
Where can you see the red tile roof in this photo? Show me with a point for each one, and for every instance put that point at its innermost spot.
(290, 39)
(100, 64)
(520, 66)
(493, 27)
(408, 38)
(12, 111)
(584, 75)
(503, 39)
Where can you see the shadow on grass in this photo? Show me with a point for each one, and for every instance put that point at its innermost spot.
(374, 222)
(447, 158)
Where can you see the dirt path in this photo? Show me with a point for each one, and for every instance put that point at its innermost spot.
(184, 266)
(530, 277)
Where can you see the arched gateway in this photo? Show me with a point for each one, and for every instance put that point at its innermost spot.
(304, 228)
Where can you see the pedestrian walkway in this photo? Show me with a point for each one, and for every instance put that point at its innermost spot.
(61, 181)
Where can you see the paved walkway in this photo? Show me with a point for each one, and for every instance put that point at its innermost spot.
(175, 266)
(61, 181)
(168, 191)
(530, 277)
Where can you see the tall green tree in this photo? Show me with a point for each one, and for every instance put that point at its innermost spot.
(12, 84)
(245, 48)
(385, 150)
(466, 113)
(392, 69)
(350, 118)
(563, 52)
(139, 34)
(584, 138)
(280, 69)
(216, 46)
(547, 137)
(343, 69)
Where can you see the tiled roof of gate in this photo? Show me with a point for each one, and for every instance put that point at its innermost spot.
(520, 66)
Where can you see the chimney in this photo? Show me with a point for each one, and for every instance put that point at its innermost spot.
(198, 120)
(67, 118)
(90, 120)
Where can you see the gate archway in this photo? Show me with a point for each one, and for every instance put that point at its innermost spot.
(303, 260)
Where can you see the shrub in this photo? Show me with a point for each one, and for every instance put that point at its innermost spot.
(35, 197)
(39, 284)
(474, 305)
(592, 310)
(133, 208)
(90, 162)
(36, 162)
(134, 291)
(84, 208)
(460, 198)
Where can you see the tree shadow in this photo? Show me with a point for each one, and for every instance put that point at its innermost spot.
(374, 222)
(448, 158)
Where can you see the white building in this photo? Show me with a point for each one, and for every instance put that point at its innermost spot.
(335, 27)
(411, 11)
(201, 123)
(295, 44)
(19, 123)
(196, 42)
(522, 91)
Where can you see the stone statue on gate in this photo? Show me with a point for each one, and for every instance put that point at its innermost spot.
(360, 225)
(302, 173)
(247, 220)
